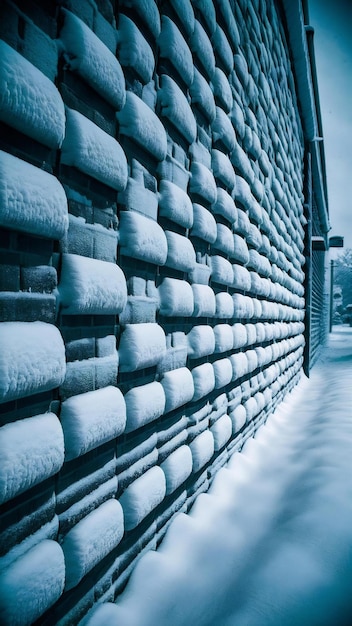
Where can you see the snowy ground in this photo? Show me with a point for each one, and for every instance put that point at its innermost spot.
(271, 543)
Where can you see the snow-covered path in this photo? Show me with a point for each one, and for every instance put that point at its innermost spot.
(271, 543)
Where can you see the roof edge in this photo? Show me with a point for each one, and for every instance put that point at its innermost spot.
(300, 39)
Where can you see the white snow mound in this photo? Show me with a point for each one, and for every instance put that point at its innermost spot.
(87, 55)
(32, 584)
(133, 50)
(32, 359)
(173, 46)
(92, 151)
(178, 386)
(175, 204)
(142, 238)
(31, 450)
(177, 467)
(29, 101)
(90, 286)
(31, 200)
(180, 252)
(175, 107)
(139, 122)
(203, 379)
(91, 540)
(176, 297)
(202, 448)
(141, 345)
(144, 404)
(142, 496)
(90, 419)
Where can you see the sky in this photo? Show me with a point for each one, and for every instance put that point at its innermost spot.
(332, 23)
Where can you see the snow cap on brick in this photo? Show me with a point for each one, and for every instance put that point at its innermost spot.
(141, 345)
(90, 419)
(32, 359)
(87, 55)
(31, 200)
(90, 286)
(32, 450)
(29, 101)
(92, 151)
(139, 122)
(32, 583)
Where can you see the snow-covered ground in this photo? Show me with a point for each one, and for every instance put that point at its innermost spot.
(271, 543)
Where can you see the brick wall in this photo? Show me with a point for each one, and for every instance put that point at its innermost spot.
(151, 273)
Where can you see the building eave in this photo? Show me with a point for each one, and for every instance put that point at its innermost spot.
(300, 39)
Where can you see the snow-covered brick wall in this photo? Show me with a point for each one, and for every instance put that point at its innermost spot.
(152, 277)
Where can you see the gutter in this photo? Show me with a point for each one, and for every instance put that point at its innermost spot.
(300, 38)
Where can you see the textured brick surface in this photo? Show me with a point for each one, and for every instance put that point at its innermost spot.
(179, 276)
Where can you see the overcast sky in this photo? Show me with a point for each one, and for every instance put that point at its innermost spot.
(332, 22)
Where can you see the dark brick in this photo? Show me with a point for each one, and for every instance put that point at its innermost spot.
(35, 245)
(40, 278)
(9, 278)
(5, 235)
(27, 515)
(104, 375)
(80, 377)
(81, 97)
(27, 307)
(42, 12)
(138, 310)
(106, 9)
(80, 349)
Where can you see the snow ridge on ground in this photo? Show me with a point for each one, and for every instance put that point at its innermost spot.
(270, 543)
